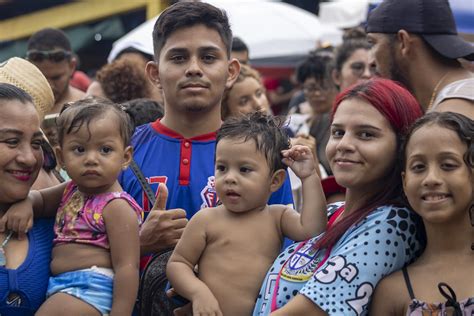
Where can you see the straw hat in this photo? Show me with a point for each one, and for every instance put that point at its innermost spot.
(23, 74)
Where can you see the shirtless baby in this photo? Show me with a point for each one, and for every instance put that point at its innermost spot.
(235, 243)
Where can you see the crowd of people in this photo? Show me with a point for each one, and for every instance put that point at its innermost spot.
(359, 201)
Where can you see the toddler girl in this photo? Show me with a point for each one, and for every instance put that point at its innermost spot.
(96, 249)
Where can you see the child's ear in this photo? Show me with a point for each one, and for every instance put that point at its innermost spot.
(277, 180)
(59, 156)
(127, 157)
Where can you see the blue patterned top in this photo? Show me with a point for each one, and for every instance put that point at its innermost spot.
(383, 242)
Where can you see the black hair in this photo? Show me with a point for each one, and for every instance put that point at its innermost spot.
(132, 50)
(48, 39)
(458, 123)
(11, 92)
(75, 114)
(186, 14)
(346, 49)
(317, 65)
(267, 132)
(238, 45)
(143, 110)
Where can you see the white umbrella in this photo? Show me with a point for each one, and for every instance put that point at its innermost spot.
(270, 29)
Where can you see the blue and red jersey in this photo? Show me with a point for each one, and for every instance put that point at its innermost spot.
(186, 166)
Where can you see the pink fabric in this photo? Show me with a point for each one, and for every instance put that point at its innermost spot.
(79, 218)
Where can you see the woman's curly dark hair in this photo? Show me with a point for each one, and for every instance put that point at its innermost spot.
(123, 81)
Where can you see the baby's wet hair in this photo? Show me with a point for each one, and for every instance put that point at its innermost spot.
(76, 114)
(266, 130)
(458, 123)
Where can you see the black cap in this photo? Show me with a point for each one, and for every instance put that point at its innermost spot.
(433, 20)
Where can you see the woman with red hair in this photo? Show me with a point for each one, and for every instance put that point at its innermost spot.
(373, 232)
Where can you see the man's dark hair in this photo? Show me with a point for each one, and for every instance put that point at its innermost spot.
(317, 66)
(11, 92)
(266, 130)
(238, 45)
(187, 14)
(49, 39)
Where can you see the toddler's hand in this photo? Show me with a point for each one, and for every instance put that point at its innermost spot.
(206, 304)
(18, 218)
(300, 159)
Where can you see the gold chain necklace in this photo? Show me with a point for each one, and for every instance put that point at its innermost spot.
(435, 90)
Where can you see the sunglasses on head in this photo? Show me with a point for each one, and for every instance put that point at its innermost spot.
(53, 55)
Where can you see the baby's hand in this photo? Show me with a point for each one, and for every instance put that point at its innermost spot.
(206, 304)
(300, 160)
(18, 218)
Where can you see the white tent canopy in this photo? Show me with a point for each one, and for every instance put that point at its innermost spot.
(270, 29)
(350, 13)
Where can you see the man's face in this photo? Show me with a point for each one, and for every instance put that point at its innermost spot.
(58, 75)
(193, 70)
(383, 55)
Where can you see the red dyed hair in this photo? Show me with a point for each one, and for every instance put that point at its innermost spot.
(401, 110)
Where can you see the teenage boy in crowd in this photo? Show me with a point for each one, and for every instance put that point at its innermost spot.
(415, 42)
(192, 66)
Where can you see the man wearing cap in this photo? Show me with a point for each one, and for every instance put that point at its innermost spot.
(50, 50)
(415, 42)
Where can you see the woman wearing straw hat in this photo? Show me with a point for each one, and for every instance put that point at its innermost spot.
(24, 75)
(24, 262)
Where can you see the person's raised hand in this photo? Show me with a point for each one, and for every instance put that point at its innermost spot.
(300, 159)
(162, 228)
(310, 141)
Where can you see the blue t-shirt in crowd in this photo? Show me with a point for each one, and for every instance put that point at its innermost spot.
(186, 166)
(380, 244)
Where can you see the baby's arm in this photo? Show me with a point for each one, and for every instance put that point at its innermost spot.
(121, 224)
(313, 219)
(44, 203)
(180, 268)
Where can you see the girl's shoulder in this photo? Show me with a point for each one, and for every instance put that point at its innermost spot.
(391, 295)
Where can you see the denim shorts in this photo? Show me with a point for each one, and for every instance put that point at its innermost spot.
(93, 286)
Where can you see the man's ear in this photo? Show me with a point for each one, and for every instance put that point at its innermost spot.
(127, 157)
(72, 65)
(234, 71)
(153, 72)
(277, 180)
(406, 43)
